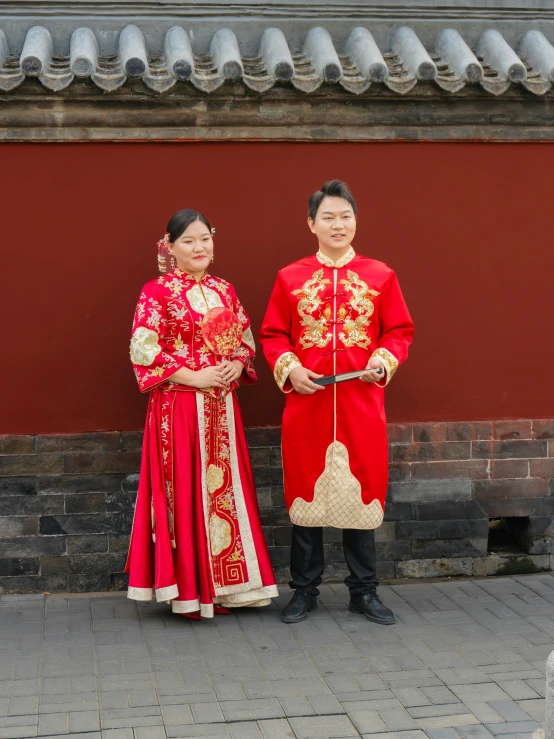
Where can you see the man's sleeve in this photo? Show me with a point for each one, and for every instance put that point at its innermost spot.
(397, 329)
(275, 336)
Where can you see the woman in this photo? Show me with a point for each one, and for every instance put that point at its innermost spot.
(197, 540)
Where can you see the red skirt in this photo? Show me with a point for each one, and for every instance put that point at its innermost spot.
(197, 538)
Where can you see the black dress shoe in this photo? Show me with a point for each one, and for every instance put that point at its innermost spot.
(297, 609)
(370, 605)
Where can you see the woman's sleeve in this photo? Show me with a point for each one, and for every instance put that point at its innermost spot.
(397, 329)
(275, 336)
(152, 363)
(247, 350)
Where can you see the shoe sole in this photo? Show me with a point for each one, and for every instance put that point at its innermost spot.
(286, 620)
(383, 622)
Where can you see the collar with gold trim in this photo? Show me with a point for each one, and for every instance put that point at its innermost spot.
(186, 276)
(342, 262)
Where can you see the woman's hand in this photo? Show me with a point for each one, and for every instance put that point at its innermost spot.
(207, 377)
(301, 380)
(372, 375)
(230, 370)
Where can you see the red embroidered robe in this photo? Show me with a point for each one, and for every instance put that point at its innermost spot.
(331, 318)
(196, 500)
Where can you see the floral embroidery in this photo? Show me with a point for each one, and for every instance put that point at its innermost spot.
(248, 339)
(203, 298)
(316, 330)
(284, 366)
(155, 314)
(168, 335)
(144, 347)
(175, 285)
(141, 307)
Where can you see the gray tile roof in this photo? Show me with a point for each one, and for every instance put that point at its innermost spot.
(448, 62)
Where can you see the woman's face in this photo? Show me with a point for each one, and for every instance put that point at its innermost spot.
(334, 224)
(194, 249)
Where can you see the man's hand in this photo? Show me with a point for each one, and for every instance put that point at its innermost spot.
(371, 375)
(301, 380)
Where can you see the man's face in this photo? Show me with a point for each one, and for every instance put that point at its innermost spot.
(334, 224)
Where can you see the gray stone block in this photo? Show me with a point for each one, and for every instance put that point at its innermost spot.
(448, 548)
(87, 543)
(430, 490)
(26, 505)
(18, 486)
(415, 568)
(323, 727)
(263, 708)
(53, 724)
(16, 566)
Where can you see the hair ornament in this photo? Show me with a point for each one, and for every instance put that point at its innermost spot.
(212, 231)
(164, 257)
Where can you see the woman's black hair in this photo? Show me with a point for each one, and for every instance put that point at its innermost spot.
(334, 189)
(180, 221)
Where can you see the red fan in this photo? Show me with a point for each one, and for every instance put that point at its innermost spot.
(222, 331)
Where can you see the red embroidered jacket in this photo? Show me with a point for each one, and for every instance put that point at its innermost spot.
(332, 317)
(167, 333)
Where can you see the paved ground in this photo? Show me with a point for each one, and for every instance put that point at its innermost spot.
(466, 659)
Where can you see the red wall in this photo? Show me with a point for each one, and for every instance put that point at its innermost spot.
(467, 227)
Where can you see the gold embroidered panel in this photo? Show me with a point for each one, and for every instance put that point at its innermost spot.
(202, 298)
(337, 497)
(284, 366)
(316, 329)
(355, 315)
(352, 316)
(144, 347)
(389, 360)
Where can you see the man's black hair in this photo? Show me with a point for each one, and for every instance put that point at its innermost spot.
(334, 189)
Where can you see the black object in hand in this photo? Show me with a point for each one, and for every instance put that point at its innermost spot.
(345, 376)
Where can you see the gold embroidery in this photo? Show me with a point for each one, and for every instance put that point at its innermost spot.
(248, 339)
(316, 331)
(354, 327)
(174, 284)
(342, 262)
(389, 360)
(284, 366)
(203, 298)
(220, 534)
(144, 346)
(214, 478)
(337, 497)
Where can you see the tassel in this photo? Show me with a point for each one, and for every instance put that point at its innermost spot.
(163, 254)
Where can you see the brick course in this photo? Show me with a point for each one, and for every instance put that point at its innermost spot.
(66, 503)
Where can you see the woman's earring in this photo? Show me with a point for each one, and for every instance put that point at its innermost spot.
(213, 257)
(173, 262)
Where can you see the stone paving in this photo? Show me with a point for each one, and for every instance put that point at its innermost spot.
(466, 659)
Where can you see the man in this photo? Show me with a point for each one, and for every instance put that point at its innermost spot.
(331, 313)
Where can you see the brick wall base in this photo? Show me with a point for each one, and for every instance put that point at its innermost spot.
(66, 504)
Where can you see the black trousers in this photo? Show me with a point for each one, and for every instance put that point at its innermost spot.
(307, 560)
